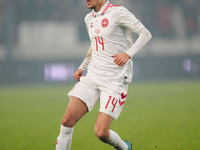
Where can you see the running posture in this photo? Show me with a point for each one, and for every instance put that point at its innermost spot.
(109, 70)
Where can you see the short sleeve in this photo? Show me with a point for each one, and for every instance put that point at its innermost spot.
(128, 20)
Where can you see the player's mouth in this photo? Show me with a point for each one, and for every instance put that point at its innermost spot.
(88, 2)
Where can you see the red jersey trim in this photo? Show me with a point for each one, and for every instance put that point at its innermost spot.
(106, 8)
(114, 5)
(93, 14)
(109, 5)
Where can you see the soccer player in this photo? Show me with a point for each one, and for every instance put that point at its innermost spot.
(109, 65)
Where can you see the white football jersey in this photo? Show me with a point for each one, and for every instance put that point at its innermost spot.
(110, 31)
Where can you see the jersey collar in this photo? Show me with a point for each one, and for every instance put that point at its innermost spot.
(102, 10)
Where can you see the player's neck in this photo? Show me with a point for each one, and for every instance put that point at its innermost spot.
(100, 5)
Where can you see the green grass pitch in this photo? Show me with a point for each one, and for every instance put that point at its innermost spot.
(156, 116)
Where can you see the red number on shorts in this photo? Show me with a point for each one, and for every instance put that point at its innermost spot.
(108, 102)
(114, 103)
(100, 41)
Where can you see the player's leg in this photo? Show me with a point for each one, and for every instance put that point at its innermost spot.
(103, 132)
(102, 126)
(112, 100)
(83, 96)
(75, 110)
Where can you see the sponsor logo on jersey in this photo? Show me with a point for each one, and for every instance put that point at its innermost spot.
(104, 23)
(97, 31)
(91, 25)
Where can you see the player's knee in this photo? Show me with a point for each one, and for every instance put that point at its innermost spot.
(68, 121)
(102, 134)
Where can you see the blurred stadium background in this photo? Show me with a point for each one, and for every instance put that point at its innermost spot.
(42, 43)
(45, 40)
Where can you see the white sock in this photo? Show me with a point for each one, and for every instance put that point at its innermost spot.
(64, 139)
(116, 141)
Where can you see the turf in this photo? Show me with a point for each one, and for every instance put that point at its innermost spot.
(156, 116)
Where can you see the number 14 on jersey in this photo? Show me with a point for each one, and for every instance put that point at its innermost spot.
(99, 42)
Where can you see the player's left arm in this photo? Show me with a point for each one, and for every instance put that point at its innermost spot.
(121, 59)
(128, 20)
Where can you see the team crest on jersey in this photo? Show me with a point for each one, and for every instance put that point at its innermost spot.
(97, 31)
(104, 23)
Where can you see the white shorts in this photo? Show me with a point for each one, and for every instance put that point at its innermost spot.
(111, 95)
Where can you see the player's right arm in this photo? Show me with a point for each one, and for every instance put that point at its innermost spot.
(83, 65)
(87, 59)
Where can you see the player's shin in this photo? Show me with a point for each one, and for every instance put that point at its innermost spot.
(116, 141)
(64, 139)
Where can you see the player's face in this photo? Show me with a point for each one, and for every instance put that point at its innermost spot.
(95, 4)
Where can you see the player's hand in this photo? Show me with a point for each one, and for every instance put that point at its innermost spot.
(78, 74)
(121, 59)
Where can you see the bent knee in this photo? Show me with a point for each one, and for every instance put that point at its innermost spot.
(103, 135)
(68, 121)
